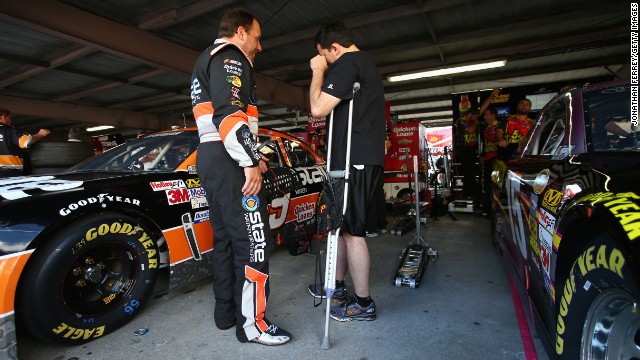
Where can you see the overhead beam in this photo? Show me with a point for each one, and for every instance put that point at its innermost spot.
(94, 31)
(353, 22)
(95, 115)
(177, 15)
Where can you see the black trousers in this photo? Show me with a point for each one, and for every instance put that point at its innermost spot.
(242, 243)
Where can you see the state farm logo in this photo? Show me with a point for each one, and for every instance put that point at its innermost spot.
(304, 211)
(166, 185)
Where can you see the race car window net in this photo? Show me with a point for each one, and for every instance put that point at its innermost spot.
(607, 117)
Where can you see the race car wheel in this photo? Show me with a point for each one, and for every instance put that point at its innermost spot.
(88, 280)
(597, 313)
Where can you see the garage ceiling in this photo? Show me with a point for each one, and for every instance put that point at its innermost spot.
(127, 63)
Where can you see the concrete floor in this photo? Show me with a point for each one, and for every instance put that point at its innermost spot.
(463, 309)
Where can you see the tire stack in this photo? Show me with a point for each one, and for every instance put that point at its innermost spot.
(50, 157)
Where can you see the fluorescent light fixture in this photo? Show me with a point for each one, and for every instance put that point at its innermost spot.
(98, 128)
(448, 71)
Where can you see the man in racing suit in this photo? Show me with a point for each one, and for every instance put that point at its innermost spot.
(514, 131)
(11, 163)
(223, 96)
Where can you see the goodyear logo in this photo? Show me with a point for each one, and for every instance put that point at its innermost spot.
(250, 203)
(193, 183)
(552, 198)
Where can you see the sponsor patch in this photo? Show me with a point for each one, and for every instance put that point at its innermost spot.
(237, 103)
(201, 216)
(100, 199)
(250, 203)
(552, 199)
(231, 61)
(304, 211)
(246, 133)
(192, 169)
(199, 202)
(166, 185)
(545, 239)
(177, 196)
(547, 221)
(193, 183)
(197, 192)
(233, 69)
(235, 92)
(234, 80)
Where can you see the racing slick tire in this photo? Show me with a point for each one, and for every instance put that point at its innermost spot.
(88, 280)
(596, 312)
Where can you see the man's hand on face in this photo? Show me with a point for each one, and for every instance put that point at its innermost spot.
(318, 63)
(253, 182)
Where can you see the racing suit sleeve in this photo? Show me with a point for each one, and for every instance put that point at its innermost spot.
(232, 90)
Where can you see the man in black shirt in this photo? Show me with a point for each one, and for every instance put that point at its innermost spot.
(337, 67)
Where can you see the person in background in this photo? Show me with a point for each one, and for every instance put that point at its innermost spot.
(469, 156)
(223, 96)
(513, 130)
(12, 144)
(74, 135)
(489, 153)
(338, 65)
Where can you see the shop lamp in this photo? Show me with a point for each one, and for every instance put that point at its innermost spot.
(98, 128)
(448, 71)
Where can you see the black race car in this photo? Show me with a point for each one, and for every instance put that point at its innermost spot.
(567, 218)
(80, 251)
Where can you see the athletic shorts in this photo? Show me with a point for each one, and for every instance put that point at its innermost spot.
(361, 197)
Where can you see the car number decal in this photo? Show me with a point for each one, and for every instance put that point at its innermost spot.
(16, 187)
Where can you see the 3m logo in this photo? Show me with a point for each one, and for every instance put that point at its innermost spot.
(193, 183)
(552, 198)
(177, 196)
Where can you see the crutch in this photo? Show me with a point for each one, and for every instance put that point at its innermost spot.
(332, 239)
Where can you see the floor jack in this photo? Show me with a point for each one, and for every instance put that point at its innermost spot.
(417, 254)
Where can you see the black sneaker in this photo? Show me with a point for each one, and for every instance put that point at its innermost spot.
(273, 336)
(338, 298)
(352, 311)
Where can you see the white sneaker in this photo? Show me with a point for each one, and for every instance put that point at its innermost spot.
(273, 336)
(371, 234)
